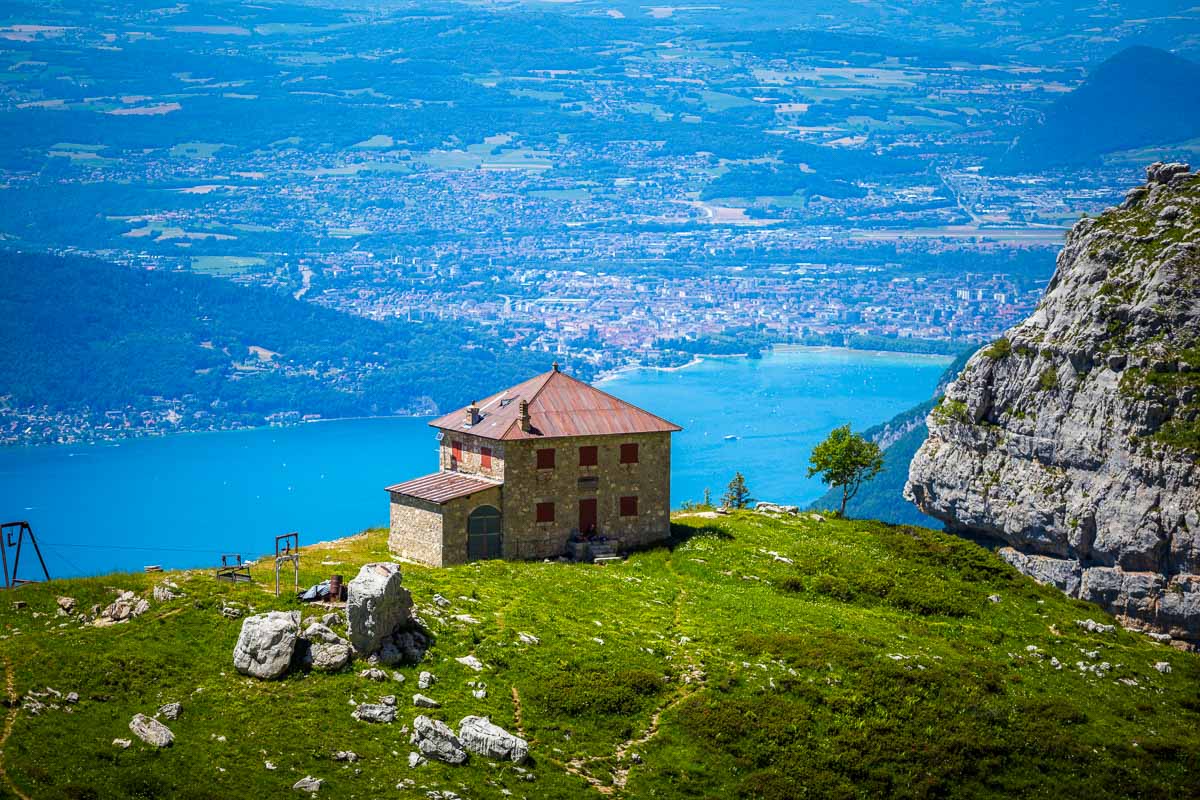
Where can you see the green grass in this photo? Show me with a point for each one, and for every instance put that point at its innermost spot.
(873, 665)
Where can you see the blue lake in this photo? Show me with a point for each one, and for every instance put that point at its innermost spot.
(181, 501)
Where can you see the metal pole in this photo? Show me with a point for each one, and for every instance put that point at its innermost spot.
(4, 551)
(38, 550)
(17, 556)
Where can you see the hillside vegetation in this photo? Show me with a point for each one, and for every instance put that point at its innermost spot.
(84, 334)
(752, 657)
(1157, 93)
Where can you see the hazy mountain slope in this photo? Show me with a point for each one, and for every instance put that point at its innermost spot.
(901, 436)
(870, 663)
(83, 333)
(1141, 96)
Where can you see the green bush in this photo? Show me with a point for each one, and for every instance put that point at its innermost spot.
(999, 349)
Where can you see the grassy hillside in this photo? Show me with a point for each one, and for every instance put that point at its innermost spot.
(874, 664)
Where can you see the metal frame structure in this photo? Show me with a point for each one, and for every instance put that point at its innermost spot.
(6, 543)
(232, 569)
(290, 552)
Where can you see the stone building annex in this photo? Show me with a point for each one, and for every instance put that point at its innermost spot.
(547, 467)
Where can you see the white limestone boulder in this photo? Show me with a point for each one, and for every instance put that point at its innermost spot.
(267, 644)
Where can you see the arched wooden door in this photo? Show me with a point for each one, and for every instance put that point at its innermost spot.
(484, 539)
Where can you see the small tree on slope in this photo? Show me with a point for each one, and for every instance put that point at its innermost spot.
(845, 460)
(737, 495)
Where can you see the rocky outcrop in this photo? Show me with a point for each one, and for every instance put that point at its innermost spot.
(1075, 439)
(377, 606)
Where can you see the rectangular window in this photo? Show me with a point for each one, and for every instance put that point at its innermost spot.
(545, 512)
(589, 455)
(485, 458)
(545, 458)
(456, 451)
(629, 506)
(629, 453)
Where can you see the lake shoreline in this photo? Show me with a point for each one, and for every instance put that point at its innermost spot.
(604, 377)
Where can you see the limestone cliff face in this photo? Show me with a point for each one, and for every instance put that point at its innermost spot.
(1075, 440)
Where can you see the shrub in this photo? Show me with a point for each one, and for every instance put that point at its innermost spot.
(999, 349)
(590, 693)
(1048, 379)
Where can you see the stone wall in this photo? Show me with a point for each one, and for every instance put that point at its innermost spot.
(525, 486)
(435, 534)
(454, 523)
(416, 530)
(471, 461)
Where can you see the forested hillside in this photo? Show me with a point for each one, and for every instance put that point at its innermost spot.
(84, 334)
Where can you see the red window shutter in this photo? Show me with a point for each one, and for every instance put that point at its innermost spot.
(589, 455)
(545, 512)
(485, 458)
(456, 450)
(629, 506)
(629, 453)
(545, 458)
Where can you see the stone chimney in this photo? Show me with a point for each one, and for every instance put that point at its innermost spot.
(523, 416)
(473, 416)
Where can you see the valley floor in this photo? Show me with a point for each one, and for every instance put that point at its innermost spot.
(751, 657)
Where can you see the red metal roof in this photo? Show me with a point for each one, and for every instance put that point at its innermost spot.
(559, 405)
(442, 486)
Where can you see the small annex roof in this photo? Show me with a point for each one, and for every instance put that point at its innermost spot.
(441, 487)
(559, 405)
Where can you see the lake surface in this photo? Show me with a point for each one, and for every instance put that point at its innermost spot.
(181, 501)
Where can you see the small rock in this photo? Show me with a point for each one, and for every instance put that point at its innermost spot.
(320, 632)
(269, 765)
(308, 784)
(388, 700)
(163, 593)
(171, 711)
(993, 598)
(151, 731)
(345, 755)
(440, 601)
(374, 674)
(465, 618)
(481, 737)
(1164, 667)
(479, 694)
(435, 740)
(415, 760)
(471, 662)
(375, 713)
(1161, 638)
(330, 657)
(528, 638)
(72, 698)
(421, 701)
(122, 743)
(425, 680)
(329, 620)
(1091, 626)
(67, 604)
